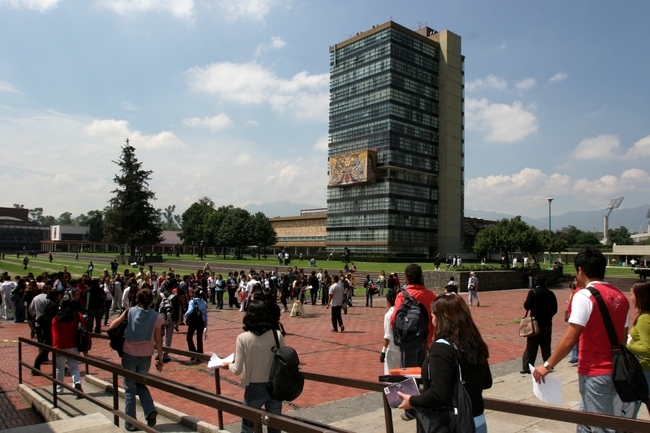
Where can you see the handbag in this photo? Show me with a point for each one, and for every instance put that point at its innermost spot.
(83, 341)
(528, 326)
(627, 373)
(116, 335)
(456, 418)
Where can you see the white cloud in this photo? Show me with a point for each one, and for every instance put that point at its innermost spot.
(38, 5)
(215, 123)
(601, 147)
(254, 10)
(640, 149)
(606, 147)
(276, 43)
(502, 46)
(525, 192)
(9, 89)
(322, 144)
(489, 82)
(252, 123)
(304, 95)
(128, 106)
(178, 8)
(501, 122)
(116, 131)
(560, 76)
(525, 84)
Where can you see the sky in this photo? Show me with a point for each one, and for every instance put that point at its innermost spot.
(229, 99)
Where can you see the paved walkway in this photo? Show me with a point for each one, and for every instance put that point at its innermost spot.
(353, 353)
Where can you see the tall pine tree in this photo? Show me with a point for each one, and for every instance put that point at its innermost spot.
(131, 219)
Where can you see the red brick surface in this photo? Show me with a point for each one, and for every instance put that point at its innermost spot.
(353, 353)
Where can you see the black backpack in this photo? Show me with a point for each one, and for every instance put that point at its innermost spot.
(116, 335)
(285, 380)
(411, 323)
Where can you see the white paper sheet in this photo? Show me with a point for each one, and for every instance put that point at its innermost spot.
(216, 362)
(550, 391)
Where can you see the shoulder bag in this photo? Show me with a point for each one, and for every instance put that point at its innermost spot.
(627, 373)
(455, 418)
(529, 326)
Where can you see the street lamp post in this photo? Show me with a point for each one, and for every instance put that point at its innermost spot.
(550, 255)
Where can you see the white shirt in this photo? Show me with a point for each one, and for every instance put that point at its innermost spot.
(107, 292)
(388, 330)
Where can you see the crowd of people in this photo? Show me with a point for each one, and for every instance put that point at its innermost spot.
(155, 305)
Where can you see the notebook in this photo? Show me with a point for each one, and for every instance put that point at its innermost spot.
(408, 386)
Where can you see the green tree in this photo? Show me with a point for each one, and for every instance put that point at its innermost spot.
(65, 219)
(36, 214)
(569, 234)
(19, 206)
(95, 222)
(235, 230)
(586, 239)
(507, 236)
(214, 221)
(48, 220)
(169, 223)
(131, 218)
(194, 229)
(263, 234)
(620, 236)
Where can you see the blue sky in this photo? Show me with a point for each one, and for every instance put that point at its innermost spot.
(229, 99)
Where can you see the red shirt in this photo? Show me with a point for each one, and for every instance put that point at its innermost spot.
(64, 334)
(425, 297)
(594, 347)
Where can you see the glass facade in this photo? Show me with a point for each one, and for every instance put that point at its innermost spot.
(384, 96)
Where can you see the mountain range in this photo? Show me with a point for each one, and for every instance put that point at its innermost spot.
(592, 221)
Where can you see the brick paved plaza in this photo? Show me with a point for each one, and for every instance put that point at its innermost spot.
(353, 353)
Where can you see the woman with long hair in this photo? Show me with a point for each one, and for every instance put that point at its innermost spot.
(456, 338)
(253, 360)
(639, 341)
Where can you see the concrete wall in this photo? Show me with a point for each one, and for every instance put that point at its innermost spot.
(488, 280)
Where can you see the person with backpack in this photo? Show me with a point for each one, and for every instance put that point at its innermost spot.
(169, 307)
(253, 360)
(458, 342)
(412, 355)
(542, 304)
(196, 318)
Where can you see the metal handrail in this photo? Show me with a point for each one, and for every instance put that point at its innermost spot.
(516, 408)
(258, 416)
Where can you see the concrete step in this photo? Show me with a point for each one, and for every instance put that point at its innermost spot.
(168, 420)
(93, 423)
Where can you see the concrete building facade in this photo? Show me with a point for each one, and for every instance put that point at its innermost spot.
(396, 147)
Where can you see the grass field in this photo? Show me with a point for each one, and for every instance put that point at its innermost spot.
(188, 263)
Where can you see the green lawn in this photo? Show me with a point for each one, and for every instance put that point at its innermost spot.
(41, 264)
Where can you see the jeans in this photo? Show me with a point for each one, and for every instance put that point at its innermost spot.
(471, 295)
(18, 308)
(73, 365)
(44, 336)
(107, 310)
(256, 396)
(167, 334)
(598, 395)
(574, 354)
(337, 320)
(220, 299)
(543, 340)
(140, 365)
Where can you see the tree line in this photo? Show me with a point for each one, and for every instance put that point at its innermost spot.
(515, 235)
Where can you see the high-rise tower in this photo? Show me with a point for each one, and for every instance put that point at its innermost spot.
(396, 150)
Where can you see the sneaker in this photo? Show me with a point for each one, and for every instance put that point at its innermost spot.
(77, 386)
(478, 304)
(573, 361)
(151, 418)
(342, 328)
(524, 372)
(407, 416)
